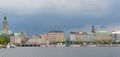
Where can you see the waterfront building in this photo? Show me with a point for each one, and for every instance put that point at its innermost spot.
(95, 35)
(56, 36)
(78, 36)
(36, 39)
(90, 36)
(102, 36)
(82, 35)
(17, 38)
(116, 35)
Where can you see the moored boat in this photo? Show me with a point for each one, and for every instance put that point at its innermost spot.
(10, 46)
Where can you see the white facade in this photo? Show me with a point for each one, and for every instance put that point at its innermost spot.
(16, 39)
(116, 35)
(78, 36)
(36, 39)
(72, 37)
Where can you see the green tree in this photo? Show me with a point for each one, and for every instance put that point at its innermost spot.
(81, 42)
(114, 42)
(63, 42)
(4, 40)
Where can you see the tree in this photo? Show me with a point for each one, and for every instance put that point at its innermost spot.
(81, 42)
(4, 40)
(114, 42)
(63, 42)
(76, 42)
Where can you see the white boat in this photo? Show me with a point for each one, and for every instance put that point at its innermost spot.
(91, 45)
(10, 46)
(47, 43)
(74, 45)
(60, 45)
(42, 45)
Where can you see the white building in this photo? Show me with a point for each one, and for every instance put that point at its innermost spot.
(78, 36)
(36, 39)
(16, 38)
(116, 35)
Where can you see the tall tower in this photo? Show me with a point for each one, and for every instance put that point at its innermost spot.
(93, 29)
(5, 26)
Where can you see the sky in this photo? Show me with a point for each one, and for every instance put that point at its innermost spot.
(41, 16)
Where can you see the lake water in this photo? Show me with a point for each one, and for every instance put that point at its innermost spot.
(61, 52)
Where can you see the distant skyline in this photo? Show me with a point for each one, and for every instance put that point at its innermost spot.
(41, 16)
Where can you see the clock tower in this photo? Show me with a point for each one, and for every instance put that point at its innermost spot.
(5, 26)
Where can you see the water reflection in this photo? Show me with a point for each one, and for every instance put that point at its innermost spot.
(61, 52)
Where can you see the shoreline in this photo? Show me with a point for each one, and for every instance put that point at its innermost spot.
(55, 46)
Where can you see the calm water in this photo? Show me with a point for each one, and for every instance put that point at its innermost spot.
(61, 52)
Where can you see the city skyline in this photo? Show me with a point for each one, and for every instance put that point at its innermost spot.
(38, 16)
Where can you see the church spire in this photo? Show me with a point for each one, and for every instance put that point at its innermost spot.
(93, 29)
(5, 16)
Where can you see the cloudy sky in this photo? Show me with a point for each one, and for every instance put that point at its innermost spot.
(41, 16)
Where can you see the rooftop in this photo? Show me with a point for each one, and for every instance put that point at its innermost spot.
(55, 32)
(100, 32)
(17, 33)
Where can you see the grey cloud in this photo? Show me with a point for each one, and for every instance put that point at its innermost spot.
(64, 7)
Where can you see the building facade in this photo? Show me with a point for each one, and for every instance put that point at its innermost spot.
(78, 36)
(116, 35)
(102, 36)
(36, 39)
(91, 36)
(56, 36)
(17, 38)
